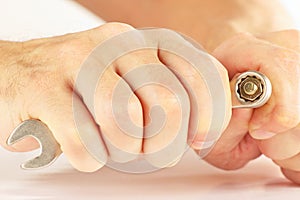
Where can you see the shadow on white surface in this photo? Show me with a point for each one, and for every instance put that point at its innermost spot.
(190, 179)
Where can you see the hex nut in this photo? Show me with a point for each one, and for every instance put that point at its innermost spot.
(250, 88)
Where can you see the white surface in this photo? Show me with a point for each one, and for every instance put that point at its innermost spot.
(191, 179)
(27, 19)
(293, 6)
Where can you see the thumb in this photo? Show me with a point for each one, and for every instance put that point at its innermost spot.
(245, 52)
(235, 148)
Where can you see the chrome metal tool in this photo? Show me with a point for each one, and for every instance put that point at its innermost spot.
(250, 89)
(50, 149)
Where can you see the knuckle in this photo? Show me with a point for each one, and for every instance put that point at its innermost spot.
(115, 27)
(107, 31)
(135, 59)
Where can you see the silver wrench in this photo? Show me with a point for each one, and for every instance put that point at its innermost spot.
(50, 149)
(249, 90)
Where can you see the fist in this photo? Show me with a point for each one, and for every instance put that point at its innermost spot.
(274, 128)
(148, 102)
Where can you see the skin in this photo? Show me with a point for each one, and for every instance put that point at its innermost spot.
(207, 22)
(24, 94)
(273, 129)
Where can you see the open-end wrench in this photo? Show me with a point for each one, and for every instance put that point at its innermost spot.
(50, 149)
(249, 90)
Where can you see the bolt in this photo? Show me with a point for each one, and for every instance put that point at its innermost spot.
(250, 88)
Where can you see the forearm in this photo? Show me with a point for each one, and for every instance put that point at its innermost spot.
(208, 22)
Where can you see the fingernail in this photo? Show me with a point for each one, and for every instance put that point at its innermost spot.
(261, 135)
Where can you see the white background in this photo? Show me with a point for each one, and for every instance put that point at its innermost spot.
(190, 179)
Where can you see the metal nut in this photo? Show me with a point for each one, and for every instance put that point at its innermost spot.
(250, 88)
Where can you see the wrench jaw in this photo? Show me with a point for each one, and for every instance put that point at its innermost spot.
(50, 149)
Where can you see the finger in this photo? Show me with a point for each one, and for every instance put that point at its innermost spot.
(287, 38)
(292, 163)
(282, 146)
(122, 146)
(165, 132)
(235, 148)
(293, 176)
(245, 53)
(57, 113)
(119, 114)
(85, 41)
(199, 135)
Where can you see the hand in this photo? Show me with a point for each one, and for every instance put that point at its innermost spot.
(274, 128)
(38, 81)
(207, 22)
